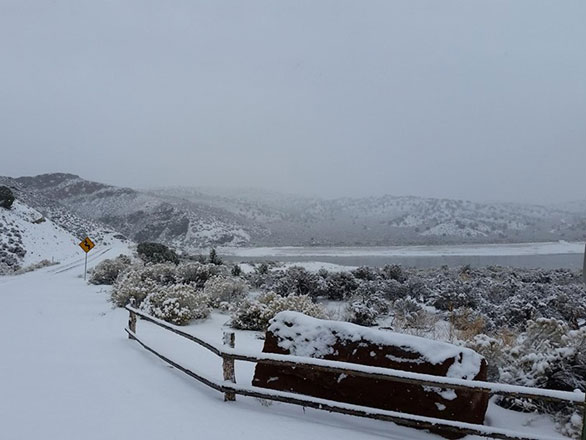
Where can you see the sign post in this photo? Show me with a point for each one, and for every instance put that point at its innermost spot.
(87, 245)
(584, 409)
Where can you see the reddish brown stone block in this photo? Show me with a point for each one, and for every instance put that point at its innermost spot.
(294, 333)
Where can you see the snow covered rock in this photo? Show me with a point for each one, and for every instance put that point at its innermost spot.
(300, 335)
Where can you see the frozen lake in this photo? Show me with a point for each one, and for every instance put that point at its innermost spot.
(526, 255)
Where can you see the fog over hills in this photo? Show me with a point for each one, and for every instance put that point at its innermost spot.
(189, 219)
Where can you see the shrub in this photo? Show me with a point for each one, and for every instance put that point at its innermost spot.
(468, 322)
(360, 312)
(196, 273)
(297, 280)
(411, 317)
(546, 355)
(107, 271)
(131, 285)
(254, 314)
(340, 285)
(394, 272)
(6, 197)
(162, 274)
(177, 304)
(35, 266)
(236, 271)
(365, 273)
(156, 253)
(220, 289)
(262, 268)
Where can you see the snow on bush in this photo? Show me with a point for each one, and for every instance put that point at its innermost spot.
(360, 312)
(255, 314)
(162, 274)
(197, 273)
(130, 285)
(297, 281)
(177, 304)
(220, 289)
(137, 281)
(546, 355)
(107, 271)
(35, 266)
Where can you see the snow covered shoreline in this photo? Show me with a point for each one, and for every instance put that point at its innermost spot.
(517, 249)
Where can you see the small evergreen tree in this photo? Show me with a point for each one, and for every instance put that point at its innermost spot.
(214, 258)
(236, 271)
(6, 197)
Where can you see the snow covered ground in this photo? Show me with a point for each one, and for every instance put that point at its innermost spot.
(68, 371)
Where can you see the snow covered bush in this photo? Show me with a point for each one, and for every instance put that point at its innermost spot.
(254, 314)
(35, 266)
(546, 355)
(360, 312)
(236, 271)
(394, 272)
(177, 304)
(411, 317)
(130, 285)
(297, 281)
(197, 273)
(365, 273)
(340, 286)
(220, 289)
(162, 274)
(468, 323)
(137, 281)
(107, 271)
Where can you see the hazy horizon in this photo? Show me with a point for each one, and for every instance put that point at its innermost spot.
(481, 100)
(230, 190)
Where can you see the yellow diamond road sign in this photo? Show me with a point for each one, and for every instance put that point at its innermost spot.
(87, 244)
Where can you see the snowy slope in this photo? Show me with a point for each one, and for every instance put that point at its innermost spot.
(174, 221)
(387, 220)
(29, 237)
(73, 374)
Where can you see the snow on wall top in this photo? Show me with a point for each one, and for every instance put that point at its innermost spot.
(303, 335)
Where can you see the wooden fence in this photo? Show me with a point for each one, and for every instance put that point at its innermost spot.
(230, 389)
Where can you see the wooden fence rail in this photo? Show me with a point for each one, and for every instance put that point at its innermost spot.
(231, 389)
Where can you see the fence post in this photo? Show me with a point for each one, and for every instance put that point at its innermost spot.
(228, 365)
(584, 422)
(584, 409)
(131, 321)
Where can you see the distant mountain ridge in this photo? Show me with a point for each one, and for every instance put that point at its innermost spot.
(190, 219)
(389, 220)
(146, 217)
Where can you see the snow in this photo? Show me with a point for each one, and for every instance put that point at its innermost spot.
(68, 371)
(42, 239)
(316, 266)
(546, 248)
(303, 335)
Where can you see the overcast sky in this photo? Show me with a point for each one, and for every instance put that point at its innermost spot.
(481, 100)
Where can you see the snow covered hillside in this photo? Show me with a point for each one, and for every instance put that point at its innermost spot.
(73, 374)
(190, 219)
(27, 238)
(36, 229)
(390, 220)
(146, 217)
